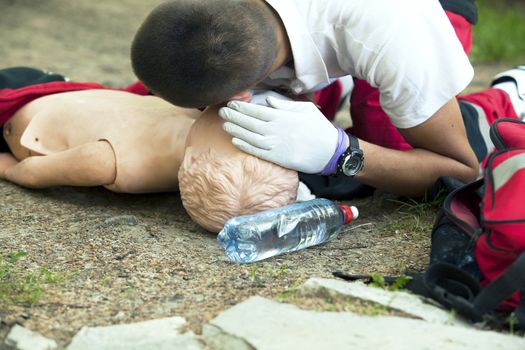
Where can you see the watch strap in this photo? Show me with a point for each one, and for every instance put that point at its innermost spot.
(354, 143)
(331, 167)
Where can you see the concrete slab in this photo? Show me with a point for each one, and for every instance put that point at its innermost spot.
(408, 303)
(21, 338)
(262, 324)
(160, 334)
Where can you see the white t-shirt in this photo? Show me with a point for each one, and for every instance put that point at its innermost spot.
(406, 48)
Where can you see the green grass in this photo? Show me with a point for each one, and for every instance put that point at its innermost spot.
(263, 270)
(415, 218)
(499, 34)
(22, 287)
(399, 284)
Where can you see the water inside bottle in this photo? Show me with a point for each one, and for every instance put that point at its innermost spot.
(256, 237)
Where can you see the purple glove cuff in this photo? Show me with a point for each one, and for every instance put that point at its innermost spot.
(331, 167)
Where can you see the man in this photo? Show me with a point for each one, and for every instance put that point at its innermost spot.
(216, 50)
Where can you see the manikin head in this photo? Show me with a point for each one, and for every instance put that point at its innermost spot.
(196, 53)
(217, 181)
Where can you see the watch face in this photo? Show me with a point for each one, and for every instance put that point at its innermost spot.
(353, 163)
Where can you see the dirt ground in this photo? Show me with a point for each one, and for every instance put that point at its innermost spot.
(128, 258)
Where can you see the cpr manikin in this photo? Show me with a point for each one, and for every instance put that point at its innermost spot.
(124, 142)
(136, 144)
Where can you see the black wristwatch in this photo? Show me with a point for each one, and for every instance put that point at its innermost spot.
(351, 161)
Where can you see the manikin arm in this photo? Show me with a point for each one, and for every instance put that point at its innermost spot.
(90, 164)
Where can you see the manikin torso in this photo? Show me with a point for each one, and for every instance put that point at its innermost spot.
(146, 133)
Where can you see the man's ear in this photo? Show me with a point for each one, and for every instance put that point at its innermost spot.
(245, 96)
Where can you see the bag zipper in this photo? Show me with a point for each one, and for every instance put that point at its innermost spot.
(473, 239)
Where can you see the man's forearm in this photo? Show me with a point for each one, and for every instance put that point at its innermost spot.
(440, 144)
(411, 172)
(441, 148)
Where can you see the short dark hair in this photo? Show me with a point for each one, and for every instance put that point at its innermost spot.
(196, 53)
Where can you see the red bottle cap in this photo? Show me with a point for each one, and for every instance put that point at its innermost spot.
(350, 213)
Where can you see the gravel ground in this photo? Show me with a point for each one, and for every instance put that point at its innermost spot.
(125, 258)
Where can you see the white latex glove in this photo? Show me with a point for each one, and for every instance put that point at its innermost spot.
(295, 135)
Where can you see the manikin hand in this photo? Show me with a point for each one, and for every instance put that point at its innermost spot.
(295, 135)
(6, 161)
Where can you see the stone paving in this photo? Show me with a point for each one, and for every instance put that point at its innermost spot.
(263, 324)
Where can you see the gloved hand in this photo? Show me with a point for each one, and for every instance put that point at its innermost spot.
(295, 135)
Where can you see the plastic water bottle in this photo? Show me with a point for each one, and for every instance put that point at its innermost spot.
(296, 226)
